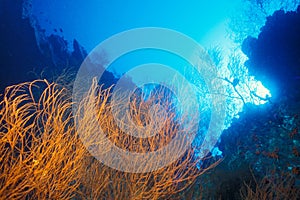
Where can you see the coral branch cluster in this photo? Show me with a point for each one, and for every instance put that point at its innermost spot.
(43, 157)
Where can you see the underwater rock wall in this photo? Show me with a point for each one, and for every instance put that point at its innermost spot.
(28, 54)
(274, 55)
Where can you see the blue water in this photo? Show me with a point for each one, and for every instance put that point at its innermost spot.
(257, 65)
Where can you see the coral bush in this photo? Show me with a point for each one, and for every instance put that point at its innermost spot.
(40, 152)
(158, 184)
(272, 186)
(43, 157)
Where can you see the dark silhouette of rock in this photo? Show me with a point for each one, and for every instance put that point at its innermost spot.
(26, 52)
(274, 57)
(18, 48)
